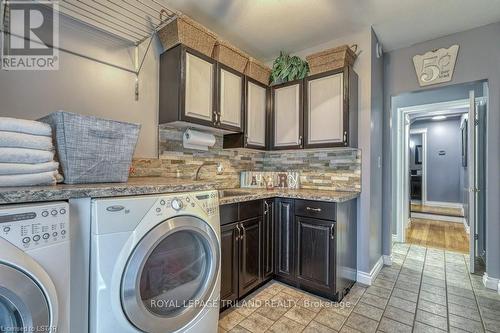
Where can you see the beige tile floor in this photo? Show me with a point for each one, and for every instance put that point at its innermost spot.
(425, 290)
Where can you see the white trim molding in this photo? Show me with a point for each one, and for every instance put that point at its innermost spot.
(491, 283)
(368, 278)
(387, 259)
(446, 218)
(445, 204)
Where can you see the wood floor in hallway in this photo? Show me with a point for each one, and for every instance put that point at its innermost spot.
(438, 234)
(448, 211)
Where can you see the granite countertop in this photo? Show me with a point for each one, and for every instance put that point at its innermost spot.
(156, 185)
(307, 194)
(134, 186)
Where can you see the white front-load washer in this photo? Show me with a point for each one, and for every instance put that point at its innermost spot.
(155, 264)
(34, 268)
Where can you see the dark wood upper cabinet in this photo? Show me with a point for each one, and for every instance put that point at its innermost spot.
(188, 87)
(257, 112)
(287, 115)
(330, 109)
(250, 254)
(196, 89)
(230, 98)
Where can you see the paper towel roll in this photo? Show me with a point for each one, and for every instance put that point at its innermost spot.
(197, 140)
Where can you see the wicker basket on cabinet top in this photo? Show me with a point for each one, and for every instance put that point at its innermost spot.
(230, 55)
(258, 71)
(331, 59)
(184, 30)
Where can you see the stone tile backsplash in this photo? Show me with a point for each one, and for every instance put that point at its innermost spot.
(325, 169)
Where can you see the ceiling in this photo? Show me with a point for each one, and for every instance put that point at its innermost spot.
(264, 27)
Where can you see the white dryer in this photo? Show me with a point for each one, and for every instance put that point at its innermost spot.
(155, 264)
(34, 268)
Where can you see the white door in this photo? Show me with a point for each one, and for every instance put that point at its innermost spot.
(325, 118)
(231, 92)
(473, 178)
(199, 88)
(287, 113)
(256, 115)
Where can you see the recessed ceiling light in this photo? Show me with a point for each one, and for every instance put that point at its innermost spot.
(438, 117)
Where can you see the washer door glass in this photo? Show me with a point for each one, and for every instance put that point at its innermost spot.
(23, 306)
(175, 273)
(170, 275)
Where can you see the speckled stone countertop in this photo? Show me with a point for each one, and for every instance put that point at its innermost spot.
(307, 194)
(156, 185)
(135, 186)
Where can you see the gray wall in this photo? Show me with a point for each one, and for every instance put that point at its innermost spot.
(478, 59)
(443, 171)
(88, 87)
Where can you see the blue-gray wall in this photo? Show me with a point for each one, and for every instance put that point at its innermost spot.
(443, 171)
(478, 59)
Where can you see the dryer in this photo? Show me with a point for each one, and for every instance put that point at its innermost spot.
(34, 268)
(155, 264)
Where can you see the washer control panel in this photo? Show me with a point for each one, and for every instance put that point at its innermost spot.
(35, 225)
(208, 201)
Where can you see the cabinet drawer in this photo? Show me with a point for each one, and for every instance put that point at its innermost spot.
(228, 213)
(249, 209)
(316, 209)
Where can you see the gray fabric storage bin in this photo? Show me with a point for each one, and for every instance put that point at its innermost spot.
(91, 149)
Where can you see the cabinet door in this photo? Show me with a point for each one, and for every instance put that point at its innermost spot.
(284, 247)
(315, 253)
(256, 114)
(250, 254)
(325, 121)
(268, 240)
(231, 92)
(200, 72)
(287, 115)
(229, 264)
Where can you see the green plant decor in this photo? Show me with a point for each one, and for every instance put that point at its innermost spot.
(288, 68)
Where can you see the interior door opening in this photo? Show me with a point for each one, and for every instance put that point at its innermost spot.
(438, 175)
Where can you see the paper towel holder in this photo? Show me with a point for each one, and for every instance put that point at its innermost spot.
(193, 139)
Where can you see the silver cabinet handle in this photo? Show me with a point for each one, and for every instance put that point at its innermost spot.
(332, 231)
(314, 209)
(266, 208)
(239, 232)
(300, 140)
(242, 231)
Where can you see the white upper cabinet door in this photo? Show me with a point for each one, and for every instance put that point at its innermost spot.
(231, 95)
(199, 88)
(256, 115)
(287, 113)
(324, 111)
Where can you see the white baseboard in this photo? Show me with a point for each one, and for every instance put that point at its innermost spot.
(387, 259)
(444, 204)
(491, 283)
(368, 278)
(445, 218)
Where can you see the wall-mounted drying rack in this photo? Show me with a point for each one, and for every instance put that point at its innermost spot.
(132, 21)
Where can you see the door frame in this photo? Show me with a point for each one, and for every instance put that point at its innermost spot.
(423, 132)
(400, 134)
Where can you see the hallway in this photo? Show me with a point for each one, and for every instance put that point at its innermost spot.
(449, 236)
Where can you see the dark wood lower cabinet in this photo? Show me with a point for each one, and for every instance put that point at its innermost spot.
(229, 264)
(268, 240)
(315, 254)
(250, 246)
(284, 239)
(310, 245)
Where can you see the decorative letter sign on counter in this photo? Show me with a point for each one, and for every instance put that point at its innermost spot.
(435, 66)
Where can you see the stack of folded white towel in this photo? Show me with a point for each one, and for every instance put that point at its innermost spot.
(26, 153)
